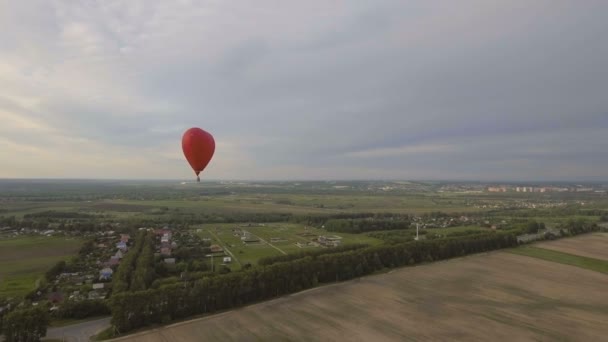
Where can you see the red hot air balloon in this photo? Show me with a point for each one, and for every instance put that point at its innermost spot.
(198, 147)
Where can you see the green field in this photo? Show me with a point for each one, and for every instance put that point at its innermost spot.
(297, 204)
(563, 258)
(24, 260)
(288, 233)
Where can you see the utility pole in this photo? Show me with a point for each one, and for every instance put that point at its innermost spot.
(416, 238)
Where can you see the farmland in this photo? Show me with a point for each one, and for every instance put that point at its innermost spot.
(499, 296)
(269, 239)
(24, 260)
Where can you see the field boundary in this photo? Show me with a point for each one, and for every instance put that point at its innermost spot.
(588, 263)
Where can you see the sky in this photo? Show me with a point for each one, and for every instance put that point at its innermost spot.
(316, 89)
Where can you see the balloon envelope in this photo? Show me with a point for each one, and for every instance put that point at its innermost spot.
(198, 147)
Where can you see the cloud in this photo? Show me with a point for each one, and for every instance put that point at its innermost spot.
(402, 150)
(307, 90)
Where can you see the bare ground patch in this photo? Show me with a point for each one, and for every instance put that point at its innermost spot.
(497, 296)
(590, 245)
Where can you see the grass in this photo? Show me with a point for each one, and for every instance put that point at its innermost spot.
(57, 323)
(24, 260)
(255, 203)
(563, 258)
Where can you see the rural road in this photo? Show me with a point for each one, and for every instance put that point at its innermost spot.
(78, 332)
(225, 246)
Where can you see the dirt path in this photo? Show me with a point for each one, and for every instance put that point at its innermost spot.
(268, 243)
(225, 246)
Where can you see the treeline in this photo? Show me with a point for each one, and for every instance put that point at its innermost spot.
(312, 253)
(83, 309)
(365, 225)
(396, 236)
(576, 227)
(25, 325)
(59, 215)
(136, 270)
(320, 220)
(131, 310)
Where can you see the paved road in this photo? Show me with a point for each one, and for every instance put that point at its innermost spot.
(78, 332)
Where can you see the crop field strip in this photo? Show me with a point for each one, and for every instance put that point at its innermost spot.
(592, 264)
(593, 245)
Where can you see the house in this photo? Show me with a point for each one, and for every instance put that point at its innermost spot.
(166, 251)
(114, 261)
(216, 249)
(105, 274)
(227, 260)
(119, 254)
(122, 246)
(98, 286)
(125, 238)
(55, 297)
(329, 241)
(170, 261)
(249, 238)
(75, 296)
(93, 295)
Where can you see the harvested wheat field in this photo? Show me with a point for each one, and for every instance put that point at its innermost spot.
(496, 296)
(589, 245)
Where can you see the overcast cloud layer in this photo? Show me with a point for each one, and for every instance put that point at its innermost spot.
(317, 89)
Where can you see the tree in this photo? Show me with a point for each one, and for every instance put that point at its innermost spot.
(532, 227)
(83, 309)
(27, 325)
(55, 270)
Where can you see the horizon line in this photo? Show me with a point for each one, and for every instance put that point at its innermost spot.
(446, 180)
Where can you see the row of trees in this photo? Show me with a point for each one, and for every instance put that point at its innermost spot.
(144, 272)
(131, 310)
(365, 225)
(83, 309)
(60, 214)
(311, 253)
(576, 227)
(124, 277)
(25, 325)
(534, 227)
